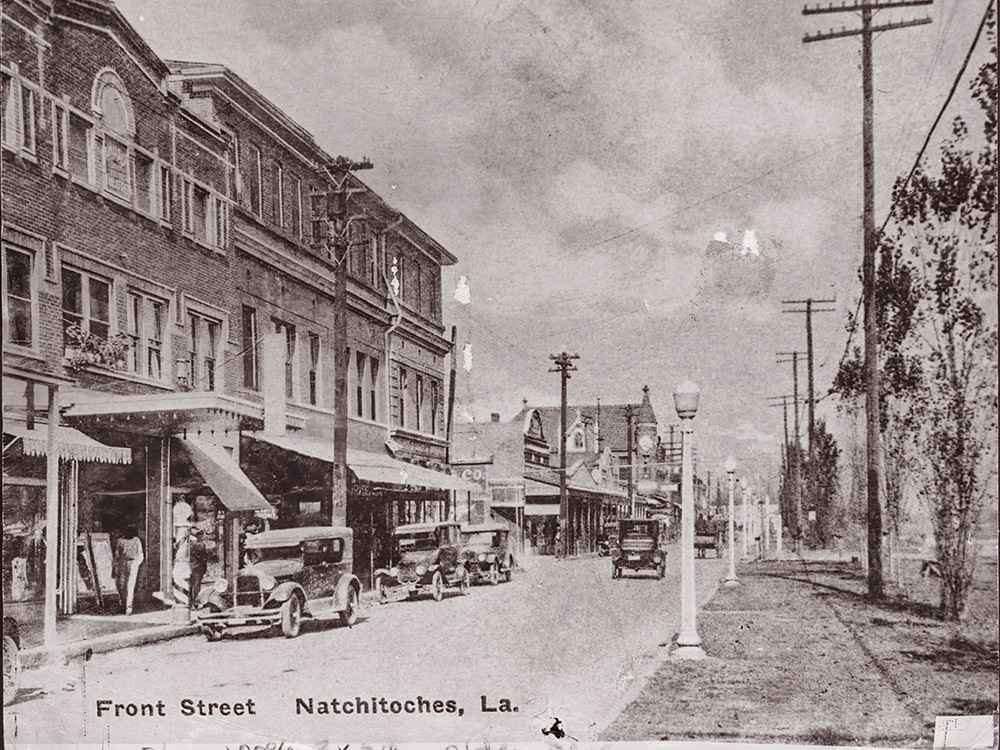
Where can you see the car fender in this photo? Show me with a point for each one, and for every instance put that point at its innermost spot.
(340, 595)
(284, 590)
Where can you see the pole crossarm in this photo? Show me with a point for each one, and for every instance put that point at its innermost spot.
(831, 34)
(857, 7)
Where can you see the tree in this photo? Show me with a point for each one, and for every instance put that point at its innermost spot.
(822, 468)
(938, 329)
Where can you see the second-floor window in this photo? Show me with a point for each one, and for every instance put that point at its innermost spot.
(403, 395)
(419, 401)
(290, 342)
(18, 112)
(250, 350)
(20, 291)
(86, 303)
(359, 394)
(314, 364)
(256, 182)
(144, 324)
(435, 405)
(297, 209)
(372, 387)
(278, 196)
(205, 214)
(204, 352)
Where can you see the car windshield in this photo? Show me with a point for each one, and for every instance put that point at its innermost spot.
(639, 531)
(416, 542)
(262, 554)
(483, 539)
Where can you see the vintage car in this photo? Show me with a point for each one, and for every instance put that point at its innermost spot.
(486, 552)
(639, 547)
(290, 575)
(11, 659)
(708, 535)
(428, 558)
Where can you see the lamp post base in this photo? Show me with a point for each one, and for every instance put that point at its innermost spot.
(688, 653)
(730, 583)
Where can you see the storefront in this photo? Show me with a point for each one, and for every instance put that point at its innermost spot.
(382, 492)
(184, 447)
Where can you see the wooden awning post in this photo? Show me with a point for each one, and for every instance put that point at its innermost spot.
(51, 518)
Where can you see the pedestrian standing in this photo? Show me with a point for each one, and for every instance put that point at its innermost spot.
(128, 558)
(198, 557)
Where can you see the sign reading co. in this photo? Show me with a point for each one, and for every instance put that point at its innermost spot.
(468, 473)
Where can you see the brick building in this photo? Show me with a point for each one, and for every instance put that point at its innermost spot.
(161, 275)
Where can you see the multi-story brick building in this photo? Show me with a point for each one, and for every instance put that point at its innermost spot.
(159, 269)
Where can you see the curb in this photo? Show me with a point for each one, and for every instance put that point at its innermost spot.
(34, 657)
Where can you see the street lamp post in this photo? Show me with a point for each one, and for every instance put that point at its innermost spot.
(688, 641)
(730, 579)
(746, 517)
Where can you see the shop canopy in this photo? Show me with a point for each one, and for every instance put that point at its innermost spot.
(372, 467)
(71, 445)
(222, 473)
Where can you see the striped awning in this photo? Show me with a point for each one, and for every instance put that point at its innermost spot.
(71, 445)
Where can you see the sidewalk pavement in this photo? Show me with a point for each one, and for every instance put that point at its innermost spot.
(796, 654)
(82, 635)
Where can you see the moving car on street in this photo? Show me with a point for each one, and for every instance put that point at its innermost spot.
(428, 559)
(486, 552)
(292, 574)
(639, 547)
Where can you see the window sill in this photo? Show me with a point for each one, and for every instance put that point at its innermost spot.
(23, 351)
(22, 153)
(122, 375)
(204, 244)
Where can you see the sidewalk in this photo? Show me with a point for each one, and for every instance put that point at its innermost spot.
(797, 655)
(85, 634)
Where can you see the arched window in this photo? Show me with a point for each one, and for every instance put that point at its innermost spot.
(111, 103)
(577, 440)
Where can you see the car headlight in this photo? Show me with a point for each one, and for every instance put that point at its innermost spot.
(421, 570)
(221, 585)
(394, 572)
(267, 582)
(656, 558)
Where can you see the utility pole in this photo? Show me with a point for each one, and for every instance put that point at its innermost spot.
(797, 466)
(629, 421)
(795, 306)
(875, 577)
(564, 366)
(785, 453)
(331, 208)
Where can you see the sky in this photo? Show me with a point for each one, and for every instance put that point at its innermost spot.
(578, 156)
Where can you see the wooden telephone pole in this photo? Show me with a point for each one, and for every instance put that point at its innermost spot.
(876, 588)
(797, 465)
(331, 208)
(630, 412)
(564, 366)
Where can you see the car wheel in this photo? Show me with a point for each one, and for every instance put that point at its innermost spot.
(464, 583)
(494, 574)
(291, 616)
(661, 571)
(615, 573)
(509, 573)
(437, 586)
(383, 595)
(349, 615)
(11, 669)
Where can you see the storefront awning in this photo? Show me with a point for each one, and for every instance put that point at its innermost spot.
(547, 509)
(372, 467)
(71, 444)
(221, 472)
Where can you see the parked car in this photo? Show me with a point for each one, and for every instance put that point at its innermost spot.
(291, 575)
(11, 659)
(486, 552)
(428, 559)
(708, 535)
(639, 547)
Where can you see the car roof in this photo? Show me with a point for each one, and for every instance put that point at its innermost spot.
(286, 537)
(421, 528)
(472, 528)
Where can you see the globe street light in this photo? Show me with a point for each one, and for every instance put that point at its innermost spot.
(730, 579)
(688, 641)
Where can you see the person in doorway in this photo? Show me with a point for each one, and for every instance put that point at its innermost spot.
(198, 552)
(128, 558)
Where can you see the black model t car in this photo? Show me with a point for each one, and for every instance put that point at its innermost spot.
(486, 552)
(291, 574)
(428, 559)
(638, 547)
